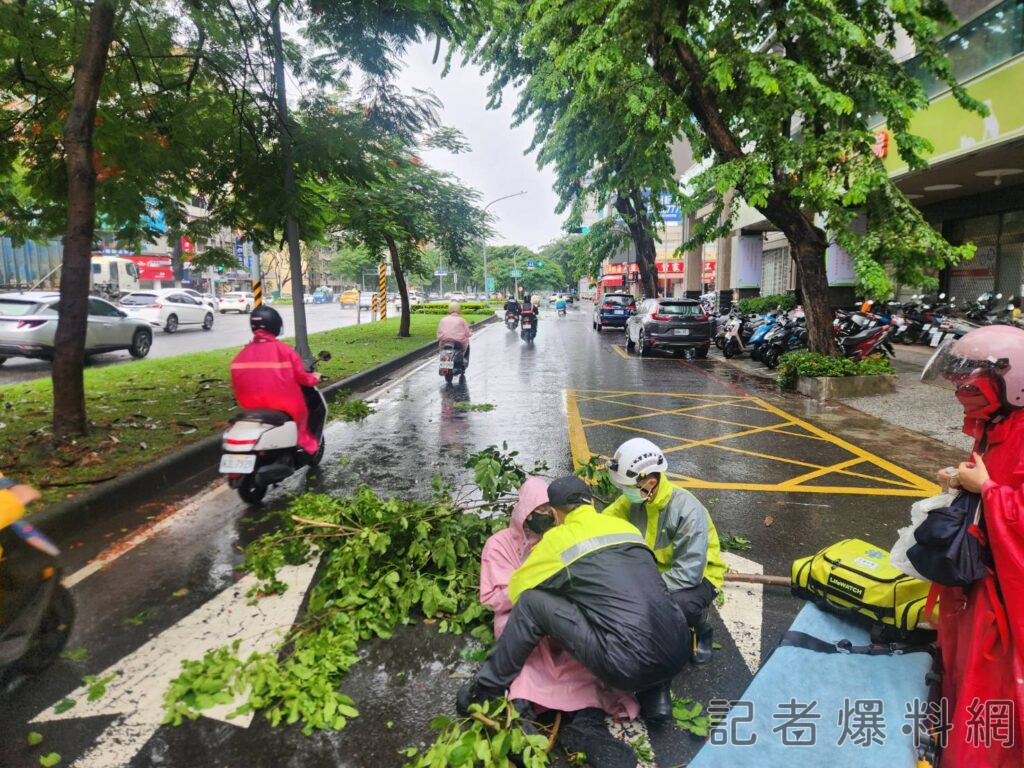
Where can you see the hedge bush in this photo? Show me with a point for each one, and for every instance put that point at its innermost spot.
(810, 364)
(762, 304)
(441, 308)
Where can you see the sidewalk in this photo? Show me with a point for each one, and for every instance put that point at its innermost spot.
(929, 409)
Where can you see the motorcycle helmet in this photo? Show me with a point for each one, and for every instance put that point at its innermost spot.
(987, 367)
(634, 460)
(268, 319)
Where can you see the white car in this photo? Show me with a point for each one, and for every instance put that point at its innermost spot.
(28, 323)
(458, 296)
(168, 308)
(204, 298)
(237, 301)
(414, 299)
(366, 299)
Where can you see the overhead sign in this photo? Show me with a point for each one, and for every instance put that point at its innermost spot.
(440, 273)
(530, 264)
(515, 273)
(490, 283)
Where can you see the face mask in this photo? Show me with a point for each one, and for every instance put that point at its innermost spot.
(635, 495)
(979, 399)
(540, 523)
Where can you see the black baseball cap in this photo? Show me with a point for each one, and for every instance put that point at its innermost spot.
(569, 490)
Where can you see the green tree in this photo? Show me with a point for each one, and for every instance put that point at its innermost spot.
(777, 99)
(409, 205)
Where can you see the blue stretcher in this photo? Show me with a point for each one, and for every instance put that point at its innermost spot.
(833, 681)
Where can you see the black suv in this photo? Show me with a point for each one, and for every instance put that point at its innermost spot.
(670, 324)
(613, 310)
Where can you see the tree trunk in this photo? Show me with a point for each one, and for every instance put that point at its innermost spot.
(288, 185)
(405, 324)
(810, 268)
(69, 416)
(644, 244)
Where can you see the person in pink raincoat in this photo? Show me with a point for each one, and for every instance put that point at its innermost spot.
(268, 373)
(552, 679)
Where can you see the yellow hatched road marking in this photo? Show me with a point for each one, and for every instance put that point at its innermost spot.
(908, 484)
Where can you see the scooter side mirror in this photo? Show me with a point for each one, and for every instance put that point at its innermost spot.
(323, 356)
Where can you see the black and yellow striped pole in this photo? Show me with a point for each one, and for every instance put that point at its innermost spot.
(257, 293)
(373, 307)
(382, 288)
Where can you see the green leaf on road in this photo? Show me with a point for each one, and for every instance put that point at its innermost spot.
(50, 760)
(34, 738)
(75, 654)
(97, 686)
(140, 618)
(734, 542)
(64, 705)
(180, 592)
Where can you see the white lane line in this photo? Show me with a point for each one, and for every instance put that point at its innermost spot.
(743, 612)
(141, 679)
(147, 532)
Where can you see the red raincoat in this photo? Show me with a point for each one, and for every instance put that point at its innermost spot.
(982, 642)
(268, 373)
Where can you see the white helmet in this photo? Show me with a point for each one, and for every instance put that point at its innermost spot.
(634, 460)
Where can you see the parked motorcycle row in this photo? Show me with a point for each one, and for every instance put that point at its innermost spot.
(871, 330)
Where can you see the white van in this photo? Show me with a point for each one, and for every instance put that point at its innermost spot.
(113, 276)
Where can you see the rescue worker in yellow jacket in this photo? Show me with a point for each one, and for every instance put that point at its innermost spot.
(679, 530)
(592, 585)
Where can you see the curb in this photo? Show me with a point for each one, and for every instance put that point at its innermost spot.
(196, 463)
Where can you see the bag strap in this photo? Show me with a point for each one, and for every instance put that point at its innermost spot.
(796, 639)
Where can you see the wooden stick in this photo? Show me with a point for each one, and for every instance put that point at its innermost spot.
(319, 523)
(554, 732)
(759, 578)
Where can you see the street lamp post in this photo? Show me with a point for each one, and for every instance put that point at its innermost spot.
(487, 290)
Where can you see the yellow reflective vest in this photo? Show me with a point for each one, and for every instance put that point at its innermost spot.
(680, 531)
(585, 530)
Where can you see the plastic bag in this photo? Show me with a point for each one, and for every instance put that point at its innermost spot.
(905, 537)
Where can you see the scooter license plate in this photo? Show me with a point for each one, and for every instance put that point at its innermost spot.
(927, 327)
(936, 338)
(237, 463)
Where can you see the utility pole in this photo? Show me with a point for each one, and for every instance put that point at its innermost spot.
(487, 290)
(288, 183)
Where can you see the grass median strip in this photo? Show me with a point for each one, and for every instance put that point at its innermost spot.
(143, 410)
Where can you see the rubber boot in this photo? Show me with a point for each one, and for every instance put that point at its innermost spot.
(703, 639)
(473, 693)
(588, 733)
(656, 704)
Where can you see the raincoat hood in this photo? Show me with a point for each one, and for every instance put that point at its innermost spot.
(533, 493)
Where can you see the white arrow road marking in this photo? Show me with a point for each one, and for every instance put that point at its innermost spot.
(742, 612)
(136, 694)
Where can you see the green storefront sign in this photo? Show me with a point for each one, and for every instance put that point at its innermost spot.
(953, 130)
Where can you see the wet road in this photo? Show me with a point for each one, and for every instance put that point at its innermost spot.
(229, 330)
(786, 473)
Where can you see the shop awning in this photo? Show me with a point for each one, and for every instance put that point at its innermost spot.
(611, 280)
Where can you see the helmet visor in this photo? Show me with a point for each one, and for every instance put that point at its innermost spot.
(948, 363)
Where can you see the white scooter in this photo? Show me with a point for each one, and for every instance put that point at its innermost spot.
(261, 447)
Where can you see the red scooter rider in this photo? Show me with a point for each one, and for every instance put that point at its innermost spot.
(269, 374)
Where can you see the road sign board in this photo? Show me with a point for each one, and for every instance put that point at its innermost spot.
(490, 283)
(515, 273)
(440, 273)
(530, 264)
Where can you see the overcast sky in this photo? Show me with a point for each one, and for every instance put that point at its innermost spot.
(495, 164)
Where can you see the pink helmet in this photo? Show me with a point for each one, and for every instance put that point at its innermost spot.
(995, 349)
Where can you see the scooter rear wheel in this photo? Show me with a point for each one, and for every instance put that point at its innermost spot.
(252, 492)
(52, 635)
(732, 348)
(771, 357)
